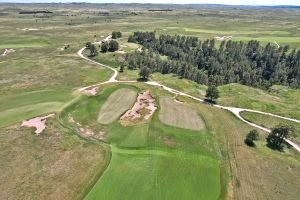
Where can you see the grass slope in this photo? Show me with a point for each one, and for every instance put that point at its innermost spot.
(270, 122)
(278, 100)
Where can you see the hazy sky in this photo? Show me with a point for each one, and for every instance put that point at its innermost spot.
(231, 2)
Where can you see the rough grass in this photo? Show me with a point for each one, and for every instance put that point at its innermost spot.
(270, 122)
(177, 83)
(278, 100)
(54, 165)
(178, 115)
(116, 104)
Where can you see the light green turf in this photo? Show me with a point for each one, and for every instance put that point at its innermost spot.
(152, 176)
(17, 107)
(116, 104)
(17, 114)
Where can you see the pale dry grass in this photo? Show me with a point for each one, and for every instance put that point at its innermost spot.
(179, 115)
(116, 104)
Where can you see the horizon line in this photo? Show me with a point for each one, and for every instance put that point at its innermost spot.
(254, 5)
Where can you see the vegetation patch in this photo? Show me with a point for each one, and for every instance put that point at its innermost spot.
(116, 104)
(179, 115)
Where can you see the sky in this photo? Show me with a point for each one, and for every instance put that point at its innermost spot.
(229, 2)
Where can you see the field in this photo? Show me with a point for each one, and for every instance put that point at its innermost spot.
(77, 157)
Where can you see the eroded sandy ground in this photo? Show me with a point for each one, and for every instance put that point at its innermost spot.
(7, 51)
(144, 101)
(222, 38)
(39, 123)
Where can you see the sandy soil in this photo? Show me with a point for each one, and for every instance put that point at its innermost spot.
(7, 51)
(90, 91)
(30, 29)
(144, 100)
(222, 38)
(39, 123)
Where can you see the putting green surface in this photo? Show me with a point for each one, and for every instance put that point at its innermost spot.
(116, 104)
(179, 115)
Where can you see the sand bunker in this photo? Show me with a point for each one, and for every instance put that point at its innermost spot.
(144, 101)
(39, 123)
(8, 51)
(222, 38)
(30, 29)
(90, 91)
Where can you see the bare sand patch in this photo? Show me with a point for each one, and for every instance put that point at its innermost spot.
(179, 115)
(116, 104)
(39, 123)
(7, 51)
(91, 91)
(143, 107)
(30, 29)
(222, 38)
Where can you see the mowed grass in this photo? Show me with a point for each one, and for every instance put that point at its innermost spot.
(17, 107)
(158, 175)
(179, 115)
(22, 42)
(270, 122)
(116, 104)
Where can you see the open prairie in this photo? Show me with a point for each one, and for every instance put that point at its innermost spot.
(186, 150)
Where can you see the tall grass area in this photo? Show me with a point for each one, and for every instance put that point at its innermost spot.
(279, 100)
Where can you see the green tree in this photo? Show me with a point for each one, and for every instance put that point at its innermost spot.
(93, 50)
(251, 137)
(116, 34)
(122, 67)
(113, 46)
(276, 138)
(212, 93)
(144, 73)
(104, 47)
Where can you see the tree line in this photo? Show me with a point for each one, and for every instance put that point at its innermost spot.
(248, 63)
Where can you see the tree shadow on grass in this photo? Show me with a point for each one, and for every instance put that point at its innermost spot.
(142, 79)
(209, 101)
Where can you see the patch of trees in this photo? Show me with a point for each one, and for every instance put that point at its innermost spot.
(251, 137)
(92, 48)
(116, 34)
(35, 12)
(276, 138)
(248, 63)
(212, 93)
(109, 46)
(160, 10)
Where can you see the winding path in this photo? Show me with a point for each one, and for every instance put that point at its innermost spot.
(236, 111)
